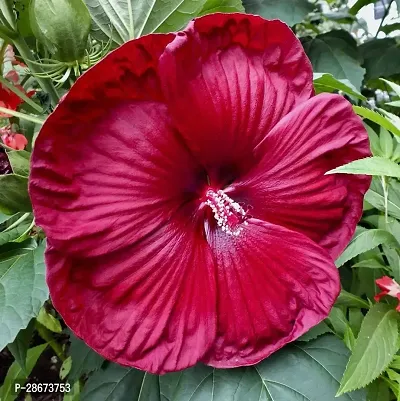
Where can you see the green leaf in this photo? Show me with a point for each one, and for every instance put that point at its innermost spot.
(378, 391)
(22, 292)
(364, 242)
(17, 374)
(328, 83)
(336, 53)
(338, 321)
(128, 19)
(375, 348)
(19, 160)
(369, 264)
(18, 229)
(359, 4)
(356, 318)
(374, 165)
(14, 194)
(348, 299)
(222, 6)
(377, 119)
(19, 347)
(65, 368)
(349, 338)
(84, 359)
(48, 321)
(386, 143)
(290, 11)
(393, 85)
(288, 375)
(315, 332)
(381, 58)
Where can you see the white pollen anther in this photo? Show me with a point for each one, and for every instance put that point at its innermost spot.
(228, 214)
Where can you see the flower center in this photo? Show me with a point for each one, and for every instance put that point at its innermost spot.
(228, 214)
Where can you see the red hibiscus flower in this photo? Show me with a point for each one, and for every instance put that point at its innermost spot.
(389, 287)
(181, 185)
(13, 139)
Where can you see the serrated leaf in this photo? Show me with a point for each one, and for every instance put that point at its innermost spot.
(290, 11)
(350, 300)
(14, 194)
(20, 162)
(84, 359)
(23, 291)
(374, 165)
(377, 119)
(315, 332)
(328, 83)
(289, 374)
(364, 242)
(128, 19)
(375, 348)
(336, 53)
(16, 374)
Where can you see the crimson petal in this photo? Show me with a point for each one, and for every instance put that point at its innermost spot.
(115, 174)
(151, 306)
(273, 285)
(288, 186)
(228, 79)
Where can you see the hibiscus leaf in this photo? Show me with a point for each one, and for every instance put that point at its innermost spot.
(370, 165)
(290, 11)
(128, 19)
(288, 375)
(14, 194)
(84, 359)
(23, 291)
(336, 53)
(222, 6)
(328, 83)
(375, 348)
(19, 160)
(377, 119)
(365, 241)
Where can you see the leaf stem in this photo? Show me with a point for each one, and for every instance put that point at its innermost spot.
(387, 9)
(45, 84)
(23, 116)
(20, 94)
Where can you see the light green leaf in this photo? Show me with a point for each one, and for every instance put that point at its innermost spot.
(222, 6)
(20, 162)
(315, 332)
(364, 242)
(22, 292)
(84, 359)
(386, 143)
(375, 348)
(65, 368)
(377, 119)
(328, 83)
(369, 264)
(128, 19)
(349, 338)
(290, 11)
(338, 321)
(288, 375)
(356, 318)
(48, 321)
(396, 103)
(336, 53)
(393, 85)
(350, 300)
(371, 166)
(14, 194)
(17, 374)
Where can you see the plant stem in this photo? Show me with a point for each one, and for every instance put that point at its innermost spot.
(387, 9)
(385, 197)
(24, 116)
(20, 94)
(45, 83)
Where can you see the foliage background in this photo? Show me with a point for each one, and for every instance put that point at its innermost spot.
(353, 354)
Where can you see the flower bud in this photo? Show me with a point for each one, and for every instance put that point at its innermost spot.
(62, 26)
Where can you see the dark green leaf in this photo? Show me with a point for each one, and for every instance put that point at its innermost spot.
(378, 390)
(350, 300)
(17, 229)
(375, 348)
(288, 375)
(315, 332)
(14, 194)
(328, 83)
(336, 53)
(84, 359)
(338, 321)
(19, 160)
(359, 4)
(290, 11)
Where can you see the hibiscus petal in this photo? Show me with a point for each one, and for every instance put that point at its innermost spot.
(288, 187)
(228, 79)
(151, 306)
(112, 170)
(273, 285)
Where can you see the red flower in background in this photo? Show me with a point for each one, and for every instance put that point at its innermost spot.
(389, 287)
(13, 139)
(181, 185)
